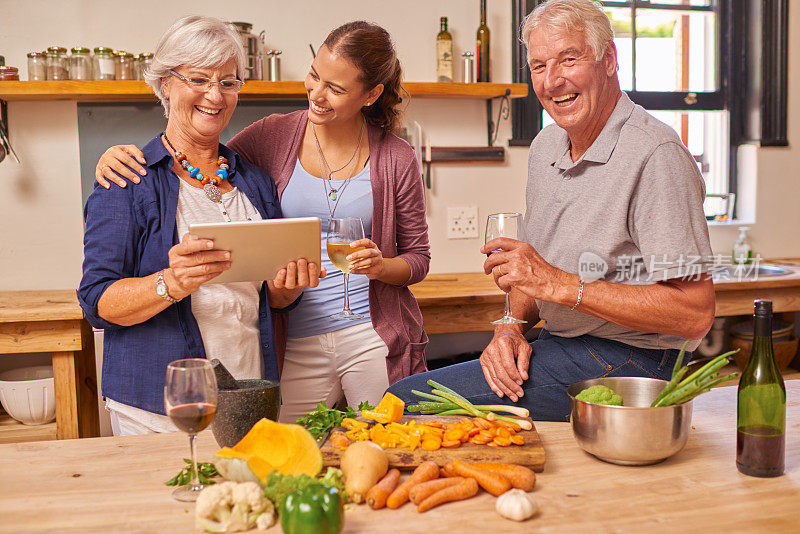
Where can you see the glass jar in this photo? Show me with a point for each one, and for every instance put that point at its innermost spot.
(80, 64)
(37, 66)
(145, 60)
(103, 63)
(57, 63)
(123, 65)
(9, 74)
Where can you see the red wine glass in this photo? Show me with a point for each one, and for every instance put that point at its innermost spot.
(190, 398)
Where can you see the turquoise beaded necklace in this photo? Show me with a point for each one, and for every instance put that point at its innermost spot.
(209, 184)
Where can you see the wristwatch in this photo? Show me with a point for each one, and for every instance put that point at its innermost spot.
(161, 288)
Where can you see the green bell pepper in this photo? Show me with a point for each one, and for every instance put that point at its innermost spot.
(317, 509)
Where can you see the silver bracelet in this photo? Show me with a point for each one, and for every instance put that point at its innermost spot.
(580, 296)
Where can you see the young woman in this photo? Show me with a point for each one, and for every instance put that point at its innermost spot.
(340, 159)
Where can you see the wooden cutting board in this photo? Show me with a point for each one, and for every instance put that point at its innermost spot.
(530, 455)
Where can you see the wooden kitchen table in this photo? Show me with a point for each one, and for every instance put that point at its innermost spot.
(116, 485)
(469, 302)
(52, 322)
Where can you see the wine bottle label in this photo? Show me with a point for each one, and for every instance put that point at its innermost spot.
(444, 61)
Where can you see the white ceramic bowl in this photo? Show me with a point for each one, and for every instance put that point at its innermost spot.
(28, 394)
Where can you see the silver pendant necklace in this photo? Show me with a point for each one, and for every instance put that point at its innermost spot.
(334, 194)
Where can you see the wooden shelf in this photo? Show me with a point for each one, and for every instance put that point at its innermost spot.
(12, 431)
(99, 91)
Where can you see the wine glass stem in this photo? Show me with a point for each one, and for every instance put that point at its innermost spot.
(508, 304)
(346, 308)
(194, 483)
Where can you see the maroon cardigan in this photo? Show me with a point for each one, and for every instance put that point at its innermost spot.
(399, 228)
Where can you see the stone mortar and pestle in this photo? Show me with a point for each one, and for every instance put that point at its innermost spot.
(241, 404)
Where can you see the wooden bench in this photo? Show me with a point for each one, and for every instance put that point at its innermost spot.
(52, 322)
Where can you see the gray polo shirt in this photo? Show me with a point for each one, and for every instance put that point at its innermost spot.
(629, 211)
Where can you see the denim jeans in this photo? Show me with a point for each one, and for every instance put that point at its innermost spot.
(556, 362)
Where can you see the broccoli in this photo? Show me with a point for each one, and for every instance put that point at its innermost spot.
(600, 395)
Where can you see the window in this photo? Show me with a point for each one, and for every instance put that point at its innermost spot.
(698, 66)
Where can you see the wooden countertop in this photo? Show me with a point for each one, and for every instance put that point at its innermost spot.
(50, 305)
(116, 485)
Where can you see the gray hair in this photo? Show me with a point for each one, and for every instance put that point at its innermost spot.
(583, 15)
(197, 41)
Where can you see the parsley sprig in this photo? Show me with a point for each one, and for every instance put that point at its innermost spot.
(323, 418)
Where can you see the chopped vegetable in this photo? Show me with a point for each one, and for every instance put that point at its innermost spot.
(205, 472)
(317, 509)
(464, 490)
(279, 486)
(600, 395)
(233, 507)
(389, 410)
(516, 505)
(323, 418)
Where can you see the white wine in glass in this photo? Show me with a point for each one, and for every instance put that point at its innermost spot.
(342, 232)
(190, 399)
(504, 225)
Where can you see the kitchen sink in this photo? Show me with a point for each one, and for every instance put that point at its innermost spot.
(732, 273)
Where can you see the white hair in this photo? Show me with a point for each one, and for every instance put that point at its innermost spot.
(196, 41)
(583, 15)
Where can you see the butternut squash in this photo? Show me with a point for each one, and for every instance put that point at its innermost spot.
(363, 464)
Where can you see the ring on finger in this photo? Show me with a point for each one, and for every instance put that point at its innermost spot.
(500, 270)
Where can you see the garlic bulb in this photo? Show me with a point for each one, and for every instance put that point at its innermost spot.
(516, 505)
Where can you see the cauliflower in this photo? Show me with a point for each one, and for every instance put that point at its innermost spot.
(233, 507)
(600, 395)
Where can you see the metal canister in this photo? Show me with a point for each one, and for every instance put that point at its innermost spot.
(274, 65)
(252, 49)
(469, 67)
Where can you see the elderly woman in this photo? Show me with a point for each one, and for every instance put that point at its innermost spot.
(146, 289)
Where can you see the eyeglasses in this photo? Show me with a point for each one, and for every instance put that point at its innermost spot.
(200, 83)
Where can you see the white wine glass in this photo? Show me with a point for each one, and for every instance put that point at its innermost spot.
(190, 398)
(504, 225)
(342, 232)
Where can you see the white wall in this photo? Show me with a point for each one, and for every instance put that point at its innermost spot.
(40, 207)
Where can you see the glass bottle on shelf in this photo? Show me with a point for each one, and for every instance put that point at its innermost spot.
(37, 66)
(144, 61)
(482, 48)
(104, 63)
(444, 53)
(761, 406)
(8, 73)
(80, 64)
(123, 65)
(57, 63)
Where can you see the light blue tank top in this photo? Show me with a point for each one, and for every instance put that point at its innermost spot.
(305, 196)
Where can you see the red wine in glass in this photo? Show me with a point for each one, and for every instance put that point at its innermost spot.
(192, 417)
(190, 400)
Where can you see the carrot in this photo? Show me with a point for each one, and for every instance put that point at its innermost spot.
(377, 495)
(423, 490)
(448, 470)
(339, 440)
(424, 472)
(463, 490)
(491, 482)
(519, 476)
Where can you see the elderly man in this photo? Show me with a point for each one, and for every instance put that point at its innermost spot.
(616, 239)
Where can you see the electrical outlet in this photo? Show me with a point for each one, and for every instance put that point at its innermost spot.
(462, 222)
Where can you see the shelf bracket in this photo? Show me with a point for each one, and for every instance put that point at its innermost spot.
(492, 127)
(5, 144)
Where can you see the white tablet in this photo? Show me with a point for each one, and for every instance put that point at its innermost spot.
(259, 249)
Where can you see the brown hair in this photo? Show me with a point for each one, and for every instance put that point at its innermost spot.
(369, 47)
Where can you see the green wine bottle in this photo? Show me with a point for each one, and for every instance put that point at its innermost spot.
(482, 48)
(761, 407)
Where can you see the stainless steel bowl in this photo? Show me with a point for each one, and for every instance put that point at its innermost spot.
(633, 434)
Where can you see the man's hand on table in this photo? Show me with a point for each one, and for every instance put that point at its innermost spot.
(519, 266)
(505, 361)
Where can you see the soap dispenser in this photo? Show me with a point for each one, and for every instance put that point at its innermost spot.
(742, 253)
